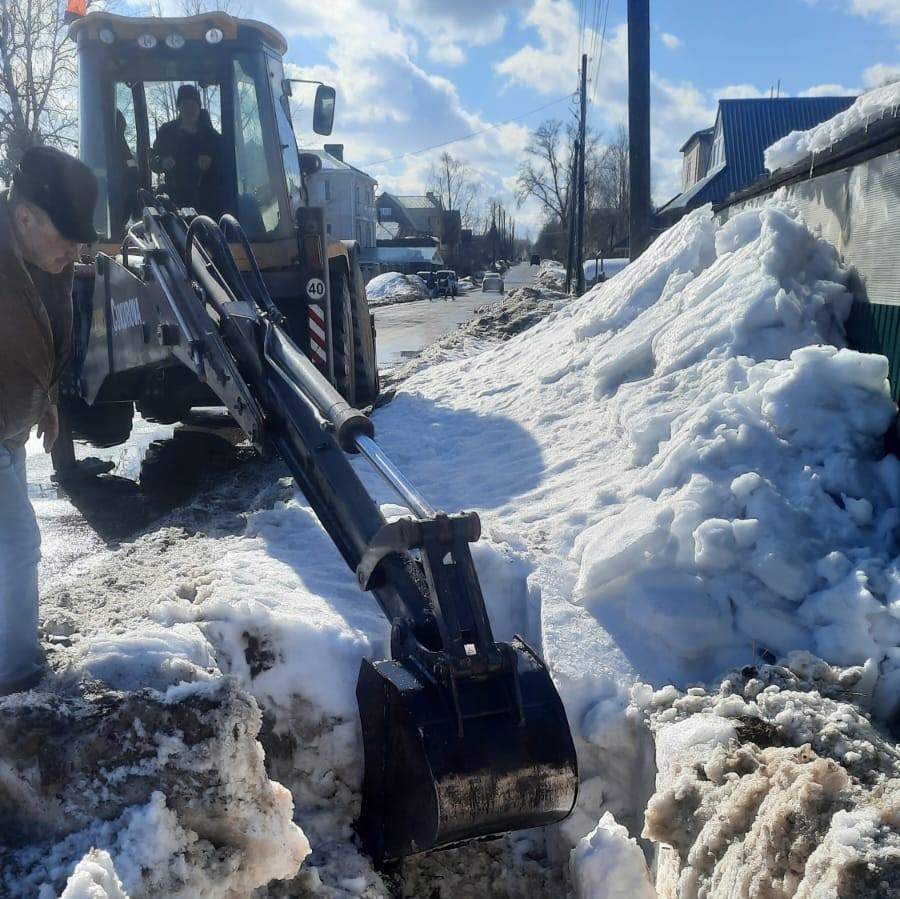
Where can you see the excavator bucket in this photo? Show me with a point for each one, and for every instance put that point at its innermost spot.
(473, 757)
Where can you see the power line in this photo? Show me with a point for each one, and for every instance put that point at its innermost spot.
(469, 136)
(596, 72)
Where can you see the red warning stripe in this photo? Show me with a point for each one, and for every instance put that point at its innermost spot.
(317, 336)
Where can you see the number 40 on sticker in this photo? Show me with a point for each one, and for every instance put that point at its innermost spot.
(315, 288)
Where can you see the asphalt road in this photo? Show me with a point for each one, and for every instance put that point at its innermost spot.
(162, 466)
(405, 329)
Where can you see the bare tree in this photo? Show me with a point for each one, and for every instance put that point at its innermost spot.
(452, 181)
(544, 173)
(38, 78)
(612, 177)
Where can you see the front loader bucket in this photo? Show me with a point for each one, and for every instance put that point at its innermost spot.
(443, 765)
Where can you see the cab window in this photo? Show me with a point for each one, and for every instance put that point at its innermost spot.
(259, 206)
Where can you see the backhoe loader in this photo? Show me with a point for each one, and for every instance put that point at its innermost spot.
(463, 737)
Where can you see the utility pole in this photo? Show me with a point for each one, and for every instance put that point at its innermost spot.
(570, 196)
(639, 126)
(582, 127)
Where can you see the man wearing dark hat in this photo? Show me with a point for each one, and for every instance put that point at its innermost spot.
(45, 217)
(187, 152)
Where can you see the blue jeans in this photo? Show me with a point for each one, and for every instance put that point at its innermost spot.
(20, 552)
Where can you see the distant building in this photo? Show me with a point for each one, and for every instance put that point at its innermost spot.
(723, 159)
(420, 216)
(695, 157)
(347, 196)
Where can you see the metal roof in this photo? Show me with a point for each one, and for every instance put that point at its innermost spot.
(749, 126)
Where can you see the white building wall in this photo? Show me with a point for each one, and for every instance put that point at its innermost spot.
(346, 218)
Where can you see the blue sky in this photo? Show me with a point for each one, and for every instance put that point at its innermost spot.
(412, 73)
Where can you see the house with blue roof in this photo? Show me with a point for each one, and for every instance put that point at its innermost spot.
(728, 157)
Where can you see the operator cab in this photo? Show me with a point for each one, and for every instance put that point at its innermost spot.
(131, 72)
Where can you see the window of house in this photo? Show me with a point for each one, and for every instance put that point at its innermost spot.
(328, 226)
(384, 212)
(717, 156)
(327, 184)
(357, 195)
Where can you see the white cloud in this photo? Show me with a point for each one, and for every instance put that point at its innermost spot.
(447, 53)
(829, 90)
(389, 104)
(671, 41)
(738, 92)
(886, 11)
(879, 74)
(676, 109)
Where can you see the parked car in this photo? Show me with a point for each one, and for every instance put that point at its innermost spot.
(535, 259)
(492, 282)
(430, 280)
(447, 283)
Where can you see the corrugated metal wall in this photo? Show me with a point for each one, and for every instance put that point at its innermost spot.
(858, 211)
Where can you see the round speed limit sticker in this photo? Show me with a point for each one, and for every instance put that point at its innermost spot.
(315, 288)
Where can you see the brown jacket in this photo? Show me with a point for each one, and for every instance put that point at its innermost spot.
(30, 362)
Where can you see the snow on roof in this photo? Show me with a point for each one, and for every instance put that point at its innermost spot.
(331, 163)
(748, 127)
(419, 202)
(387, 230)
(871, 106)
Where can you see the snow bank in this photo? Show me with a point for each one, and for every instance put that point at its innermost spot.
(696, 466)
(94, 877)
(774, 784)
(609, 863)
(551, 274)
(607, 267)
(393, 287)
(868, 108)
(171, 788)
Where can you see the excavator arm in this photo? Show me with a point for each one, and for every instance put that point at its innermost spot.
(463, 736)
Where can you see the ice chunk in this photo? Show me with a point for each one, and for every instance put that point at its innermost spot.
(609, 864)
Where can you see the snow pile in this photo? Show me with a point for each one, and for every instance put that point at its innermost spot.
(774, 784)
(393, 287)
(685, 458)
(609, 268)
(551, 274)
(170, 786)
(609, 863)
(94, 877)
(868, 108)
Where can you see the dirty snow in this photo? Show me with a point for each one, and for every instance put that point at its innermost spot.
(678, 474)
(393, 287)
(775, 785)
(868, 108)
(551, 274)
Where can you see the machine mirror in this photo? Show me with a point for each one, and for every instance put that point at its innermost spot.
(323, 112)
